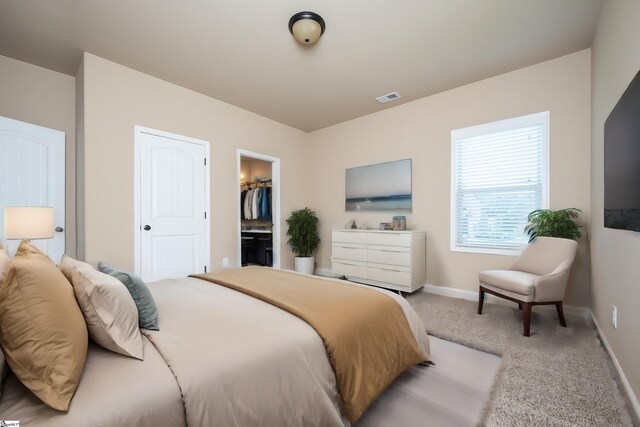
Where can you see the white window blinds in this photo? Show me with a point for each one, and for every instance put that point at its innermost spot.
(499, 176)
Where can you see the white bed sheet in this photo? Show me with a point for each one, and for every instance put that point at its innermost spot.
(241, 361)
(114, 391)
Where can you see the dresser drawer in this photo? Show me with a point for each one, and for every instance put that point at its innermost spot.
(389, 274)
(349, 237)
(390, 255)
(390, 238)
(350, 269)
(345, 252)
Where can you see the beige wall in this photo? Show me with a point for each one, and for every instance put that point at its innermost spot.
(46, 98)
(79, 166)
(616, 269)
(111, 99)
(117, 98)
(421, 130)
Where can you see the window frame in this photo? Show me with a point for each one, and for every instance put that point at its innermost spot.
(542, 118)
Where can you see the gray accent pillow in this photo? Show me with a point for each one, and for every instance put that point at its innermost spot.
(147, 310)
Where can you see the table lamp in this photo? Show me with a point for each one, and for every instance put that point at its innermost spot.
(29, 222)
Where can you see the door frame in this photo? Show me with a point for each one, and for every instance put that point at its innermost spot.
(137, 224)
(275, 209)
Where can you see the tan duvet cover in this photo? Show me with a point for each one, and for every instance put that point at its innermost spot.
(367, 337)
(240, 361)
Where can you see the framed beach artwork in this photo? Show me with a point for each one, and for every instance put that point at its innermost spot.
(379, 187)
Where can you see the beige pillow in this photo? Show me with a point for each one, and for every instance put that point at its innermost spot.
(110, 312)
(42, 330)
(4, 370)
(5, 260)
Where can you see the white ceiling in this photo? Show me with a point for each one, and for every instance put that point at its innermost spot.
(241, 52)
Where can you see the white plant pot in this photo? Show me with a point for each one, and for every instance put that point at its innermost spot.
(304, 264)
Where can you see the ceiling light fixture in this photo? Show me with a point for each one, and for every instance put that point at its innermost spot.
(306, 27)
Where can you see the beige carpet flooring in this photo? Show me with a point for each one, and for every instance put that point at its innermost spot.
(557, 377)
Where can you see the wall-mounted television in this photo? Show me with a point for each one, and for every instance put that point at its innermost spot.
(622, 161)
(379, 187)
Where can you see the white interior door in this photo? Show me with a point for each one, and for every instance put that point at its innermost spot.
(173, 197)
(32, 174)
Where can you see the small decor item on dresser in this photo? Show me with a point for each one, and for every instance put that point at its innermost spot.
(386, 226)
(400, 222)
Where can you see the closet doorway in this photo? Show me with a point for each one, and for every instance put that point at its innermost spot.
(258, 209)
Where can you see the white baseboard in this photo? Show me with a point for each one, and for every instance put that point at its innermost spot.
(326, 272)
(633, 400)
(446, 291)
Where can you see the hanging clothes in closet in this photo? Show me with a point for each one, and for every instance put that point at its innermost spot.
(255, 203)
(243, 196)
(246, 198)
(265, 211)
(252, 209)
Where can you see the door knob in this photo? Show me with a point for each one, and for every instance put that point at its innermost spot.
(147, 227)
(59, 229)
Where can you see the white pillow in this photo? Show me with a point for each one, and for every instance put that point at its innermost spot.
(107, 306)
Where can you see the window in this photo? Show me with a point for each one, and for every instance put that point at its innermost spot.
(499, 175)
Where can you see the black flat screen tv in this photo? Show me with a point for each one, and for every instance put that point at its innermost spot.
(379, 187)
(622, 161)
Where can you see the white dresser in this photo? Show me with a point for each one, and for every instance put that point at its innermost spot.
(389, 259)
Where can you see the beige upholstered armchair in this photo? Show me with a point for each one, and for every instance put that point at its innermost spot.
(538, 276)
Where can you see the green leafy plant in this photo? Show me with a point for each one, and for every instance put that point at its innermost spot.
(548, 223)
(303, 234)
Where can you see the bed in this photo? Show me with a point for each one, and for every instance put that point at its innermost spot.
(221, 358)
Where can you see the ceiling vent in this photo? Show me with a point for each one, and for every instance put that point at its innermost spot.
(388, 97)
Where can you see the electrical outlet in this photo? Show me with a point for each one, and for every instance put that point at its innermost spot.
(614, 316)
(225, 262)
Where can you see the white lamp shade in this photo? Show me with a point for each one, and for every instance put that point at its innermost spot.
(29, 222)
(306, 31)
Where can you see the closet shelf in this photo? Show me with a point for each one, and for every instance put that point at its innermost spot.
(256, 223)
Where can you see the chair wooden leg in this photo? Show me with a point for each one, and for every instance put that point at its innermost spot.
(480, 300)
(526, 317)
(561, 314)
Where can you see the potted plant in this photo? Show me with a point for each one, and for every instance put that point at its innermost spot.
(548, 223)
(304, 238)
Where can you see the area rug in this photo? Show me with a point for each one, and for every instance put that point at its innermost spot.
(451, 393)
(556, 377)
